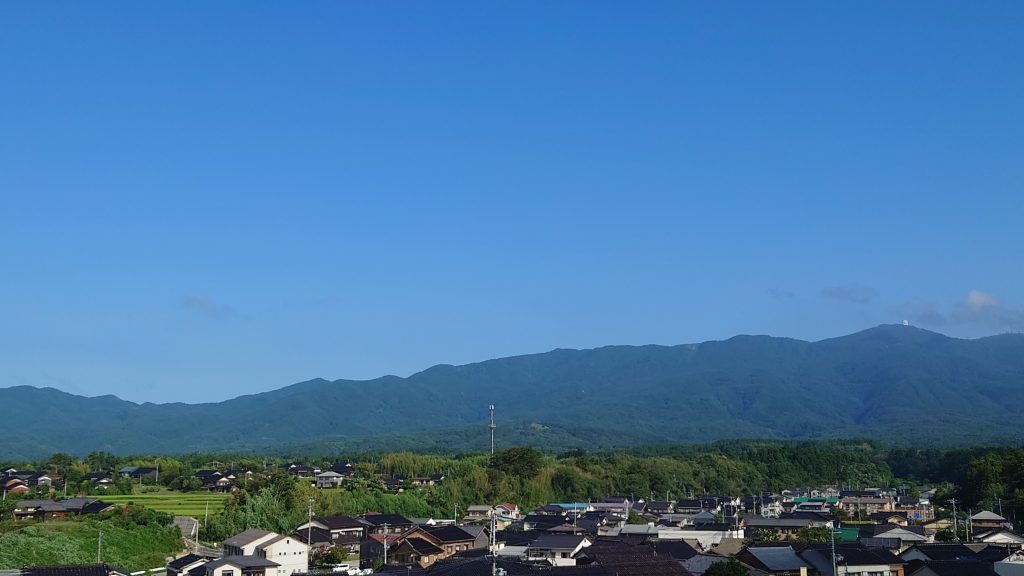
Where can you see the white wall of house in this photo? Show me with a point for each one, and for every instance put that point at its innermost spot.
(291, 554)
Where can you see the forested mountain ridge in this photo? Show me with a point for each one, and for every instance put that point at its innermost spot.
(895, 383)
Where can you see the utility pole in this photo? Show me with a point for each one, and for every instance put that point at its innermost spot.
(309, 530)
(490, 408)
(494, 547)
(385, 544)
(832, 531)
(99, 549)
(956, 533)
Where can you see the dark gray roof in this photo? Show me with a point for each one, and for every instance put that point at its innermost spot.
(179, 563)
(241, 562)
(557, 541)
(777, 558)
(245, 538)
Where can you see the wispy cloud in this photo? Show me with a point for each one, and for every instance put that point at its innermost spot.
(855, 294)
(780, 293)
(204, 305)
(923, 313)
(982, 309)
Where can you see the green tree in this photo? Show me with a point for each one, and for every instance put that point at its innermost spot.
(521, 462)
(730, 567)
(814, 534)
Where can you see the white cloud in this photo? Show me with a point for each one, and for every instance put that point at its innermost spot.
(982, 309)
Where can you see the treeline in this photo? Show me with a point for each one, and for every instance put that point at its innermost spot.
(979, 477)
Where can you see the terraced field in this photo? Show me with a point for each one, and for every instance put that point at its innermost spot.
(176, 503)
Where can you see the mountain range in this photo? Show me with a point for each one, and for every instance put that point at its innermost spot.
(893, 383)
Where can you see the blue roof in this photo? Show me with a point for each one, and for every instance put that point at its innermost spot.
(572, 506)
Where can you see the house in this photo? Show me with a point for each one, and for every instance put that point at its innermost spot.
(342, 531)
(988, 520)
(420, 481)
(100, 480)
(15, 486)
(542, 522)
(301, 470)
(661, 507)
(481, 535)
(451, 539)
(691, 506)
(394, 483)
(904, 536)
(478, 513)
(237, 566)
(386, 523)
(138, 472)
(376, 546)
(507, 511)
(346, 469)
(288, 553)
(853, 559)
(776, 560)
(864, 506)
(1012, 565)
(184, 564)
(329, 479)
(783, 527)
(416, 550)
(245, 543)
(898, 518)
(998, 536)
(424, 546)
(39, 510)
(557, 549)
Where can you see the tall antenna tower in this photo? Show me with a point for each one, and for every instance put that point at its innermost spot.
(490, 408)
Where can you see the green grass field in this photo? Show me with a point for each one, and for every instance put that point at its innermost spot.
(177, 503)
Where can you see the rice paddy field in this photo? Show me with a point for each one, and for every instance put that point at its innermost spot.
(176, 503)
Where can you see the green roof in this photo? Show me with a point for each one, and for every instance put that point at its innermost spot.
(848, 534)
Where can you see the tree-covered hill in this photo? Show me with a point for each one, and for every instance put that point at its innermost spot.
(895, 383)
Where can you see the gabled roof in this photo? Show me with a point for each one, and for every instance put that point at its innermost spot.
(381, 519)
(448, 534)
(248, 537)
(422, 546)
(777, 558)
(241, 562)
(339, 522)
(986, 515)
(941, 551)
(557, 541)
(179, 563)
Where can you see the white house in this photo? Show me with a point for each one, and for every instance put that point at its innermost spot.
(329, 479)
(290, 554)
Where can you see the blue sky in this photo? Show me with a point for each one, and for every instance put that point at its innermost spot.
(201, 200)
